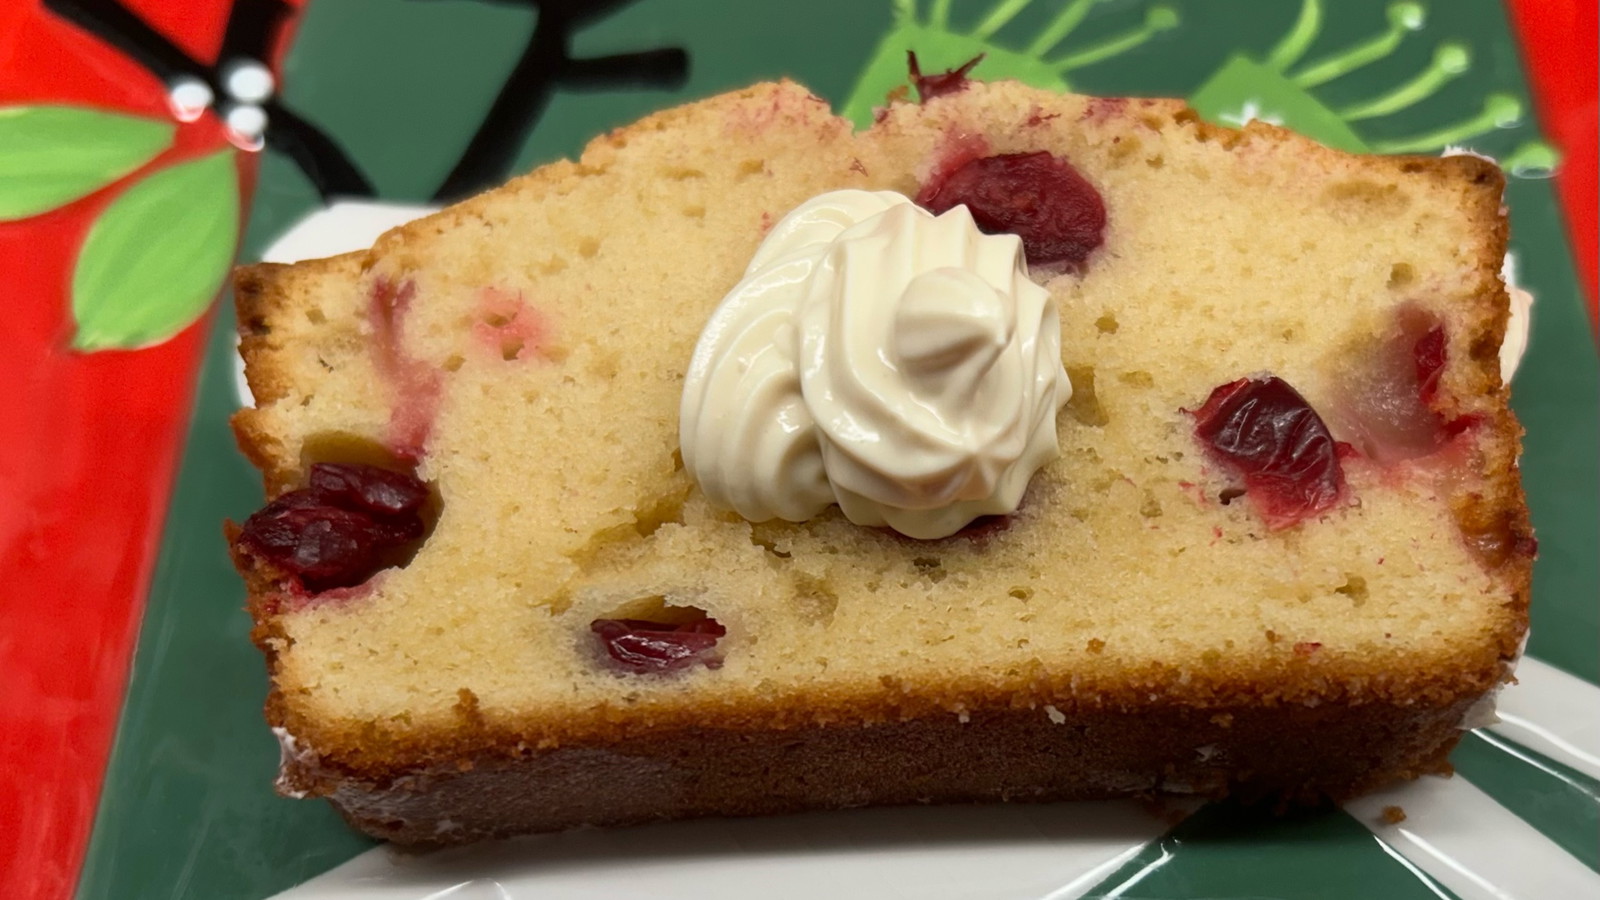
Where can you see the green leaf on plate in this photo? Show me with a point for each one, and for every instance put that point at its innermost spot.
(52, 155)
(153, 260)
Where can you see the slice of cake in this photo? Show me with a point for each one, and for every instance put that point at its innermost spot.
(1275, 543)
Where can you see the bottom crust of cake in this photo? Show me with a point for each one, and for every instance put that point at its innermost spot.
(1295, 755)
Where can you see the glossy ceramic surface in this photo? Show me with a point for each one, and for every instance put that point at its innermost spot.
(395, 102)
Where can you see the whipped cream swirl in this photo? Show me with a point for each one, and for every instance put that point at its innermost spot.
(897, 363)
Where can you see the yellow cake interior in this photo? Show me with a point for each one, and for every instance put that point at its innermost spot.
(1123, 577)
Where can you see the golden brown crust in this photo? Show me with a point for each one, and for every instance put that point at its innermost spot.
(399, 782)
(267, 300)
(1501, 515)
(255, 303)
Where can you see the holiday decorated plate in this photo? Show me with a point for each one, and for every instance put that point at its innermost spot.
(148, 145)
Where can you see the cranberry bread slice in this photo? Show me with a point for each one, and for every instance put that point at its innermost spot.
(1139, 624)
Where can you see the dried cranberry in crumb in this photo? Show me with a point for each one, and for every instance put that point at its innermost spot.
(639, 645)
(325, 546)
(342, 528)
(381, 491)
(931, 86)
(1268, 434)
(1036, 196)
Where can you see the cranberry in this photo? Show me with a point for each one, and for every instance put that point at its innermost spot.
(1389, 394)
(379, 491)
(1266, 432)
(640, 645)
(341, 529)
(324, 545)
(953, 81)
(1038, 197)
(1429, 354)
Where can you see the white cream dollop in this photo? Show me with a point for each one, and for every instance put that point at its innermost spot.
(897, 363)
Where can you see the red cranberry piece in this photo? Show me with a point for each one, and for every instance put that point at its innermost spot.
(1267, 433)
(930, 86)
(1429, 353)
(640, 645)
(322, 545)
(1036, 196)
(1388, 395)
(380, 491)
(341, 529)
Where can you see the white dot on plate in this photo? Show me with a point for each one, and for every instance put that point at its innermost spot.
(188, 98)
(248, 82)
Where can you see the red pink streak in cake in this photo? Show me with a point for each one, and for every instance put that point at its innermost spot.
(955, 150)
(1099, 109)
(508, 326)
(341, 594)
(415, 384)
(1195, 492)
(1038, 117)
(296, 596)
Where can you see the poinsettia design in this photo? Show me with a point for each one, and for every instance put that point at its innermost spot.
(157, 254)
(153, 258)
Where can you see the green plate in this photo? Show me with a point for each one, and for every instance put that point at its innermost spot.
(188, 809)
